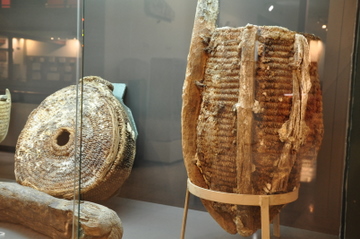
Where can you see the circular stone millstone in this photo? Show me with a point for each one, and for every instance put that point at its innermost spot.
(45, 152)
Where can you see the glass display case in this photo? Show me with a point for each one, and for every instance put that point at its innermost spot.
(48, 45)
(41, 53)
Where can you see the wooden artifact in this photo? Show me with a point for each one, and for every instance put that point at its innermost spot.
(54, 217)
(45, 151)
(252, 111)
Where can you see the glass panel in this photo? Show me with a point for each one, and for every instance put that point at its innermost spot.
(40, 53)
(351, 210)
(144, 44)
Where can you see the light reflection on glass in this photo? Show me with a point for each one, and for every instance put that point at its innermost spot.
(311, 208)
(316, 50)
(308, 171)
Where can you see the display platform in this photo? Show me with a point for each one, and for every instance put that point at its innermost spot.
(144, 220)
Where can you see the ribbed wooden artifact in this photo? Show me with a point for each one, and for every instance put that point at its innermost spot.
(252, 111)
(45, 151)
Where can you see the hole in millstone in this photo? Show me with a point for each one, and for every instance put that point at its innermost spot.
(63, 138)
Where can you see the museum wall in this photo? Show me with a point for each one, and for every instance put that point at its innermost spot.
(351, 209)
(149, 52)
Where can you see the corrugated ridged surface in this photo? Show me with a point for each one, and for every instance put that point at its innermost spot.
(260, 114)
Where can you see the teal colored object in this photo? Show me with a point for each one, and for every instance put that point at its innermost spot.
(119, 92)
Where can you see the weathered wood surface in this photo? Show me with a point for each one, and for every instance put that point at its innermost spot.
(252, 110)
(54, 217)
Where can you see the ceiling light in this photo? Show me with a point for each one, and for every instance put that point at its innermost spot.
(271, 8)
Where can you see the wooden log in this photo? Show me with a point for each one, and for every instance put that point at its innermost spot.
(54, 217)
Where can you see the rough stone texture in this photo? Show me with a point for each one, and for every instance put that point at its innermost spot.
(46, 148)
(252, 110)
(54, 217)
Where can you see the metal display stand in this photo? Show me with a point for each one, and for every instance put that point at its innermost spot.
(263, 201)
